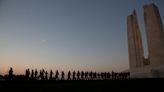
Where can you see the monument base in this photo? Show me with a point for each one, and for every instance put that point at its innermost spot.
(147, 72)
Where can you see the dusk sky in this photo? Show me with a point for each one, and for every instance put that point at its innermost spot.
(67, 34)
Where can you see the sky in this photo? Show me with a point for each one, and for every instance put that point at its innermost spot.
(89, 35)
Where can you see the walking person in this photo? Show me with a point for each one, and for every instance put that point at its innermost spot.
(62, 75)
(69, 75)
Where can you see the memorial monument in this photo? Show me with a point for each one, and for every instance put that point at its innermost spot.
(153, 66)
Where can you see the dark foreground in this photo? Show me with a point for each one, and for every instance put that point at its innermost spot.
(132, 85)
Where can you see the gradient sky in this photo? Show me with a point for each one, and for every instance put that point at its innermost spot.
(67, 34)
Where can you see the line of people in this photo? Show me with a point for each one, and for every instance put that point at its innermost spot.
(75, 75)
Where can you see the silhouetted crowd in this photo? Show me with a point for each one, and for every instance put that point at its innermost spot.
(75, 75)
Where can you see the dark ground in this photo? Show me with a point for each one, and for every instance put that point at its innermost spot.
(132, 85)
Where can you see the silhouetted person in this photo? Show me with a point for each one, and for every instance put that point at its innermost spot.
(36, 74)
(86, 75)
(128, 75)
(1, 77)
(56, 75)
(74, 74)
(69, 75)
(46, 75)
(105, 75)
(78, 75)
(116, 75)
(95, 75)
(102, 75)
(91, 75)
(98, 75)
(108, 75)
(51, 73)
(121, 75)
(11, 73)
(32, 74)
(125, 75)
(62, 75)
(82, 75)
(42, 74)
(113, 75)
(27, 74)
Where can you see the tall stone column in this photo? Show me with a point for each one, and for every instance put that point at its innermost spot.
(155, 34)
(134, 42)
